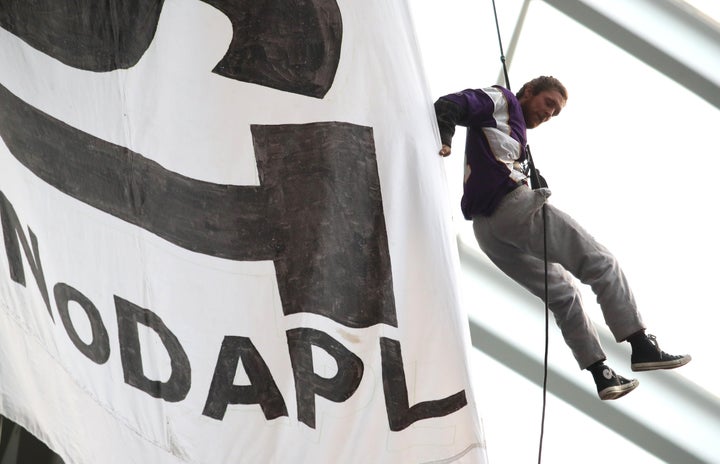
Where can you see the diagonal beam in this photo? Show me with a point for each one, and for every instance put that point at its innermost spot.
(693, 68)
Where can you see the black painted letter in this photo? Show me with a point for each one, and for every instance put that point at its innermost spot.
(129, 316)
(86, 34)
(318, 212)
(12, 231)
(262, 389)
(288, 45)
(400, 414)
(322, 178)
(98, 350)
(308, 383)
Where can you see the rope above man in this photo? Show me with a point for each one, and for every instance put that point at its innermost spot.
(509, 226)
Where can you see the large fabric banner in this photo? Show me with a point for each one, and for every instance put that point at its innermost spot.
(225, 236)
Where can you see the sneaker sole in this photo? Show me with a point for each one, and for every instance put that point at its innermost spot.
(652, 366)
(618, 391)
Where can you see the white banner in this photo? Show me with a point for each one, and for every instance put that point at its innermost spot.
(226, 236)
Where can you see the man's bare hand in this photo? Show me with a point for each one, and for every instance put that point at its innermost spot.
(445, 150)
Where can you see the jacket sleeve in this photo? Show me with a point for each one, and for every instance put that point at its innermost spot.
(448, 114)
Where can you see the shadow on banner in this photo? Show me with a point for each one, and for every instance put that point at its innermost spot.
(18, 446)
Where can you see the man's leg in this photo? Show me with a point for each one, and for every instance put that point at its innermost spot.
(519, 219)
(564, 297)
(507, 251)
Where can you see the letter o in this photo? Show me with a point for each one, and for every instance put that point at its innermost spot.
(98, 350)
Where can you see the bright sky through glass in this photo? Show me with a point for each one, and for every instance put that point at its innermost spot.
(628, 158)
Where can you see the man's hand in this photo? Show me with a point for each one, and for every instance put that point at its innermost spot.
(445, 150)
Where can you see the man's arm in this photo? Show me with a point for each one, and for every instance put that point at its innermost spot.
(448, 114)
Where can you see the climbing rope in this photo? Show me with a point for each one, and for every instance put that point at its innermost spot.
(537, 181)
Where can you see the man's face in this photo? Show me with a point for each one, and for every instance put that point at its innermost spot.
(540, 107)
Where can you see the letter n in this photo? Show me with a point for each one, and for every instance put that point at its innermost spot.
(14, 238)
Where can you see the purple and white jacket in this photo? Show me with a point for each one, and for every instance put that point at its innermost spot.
(494, 147)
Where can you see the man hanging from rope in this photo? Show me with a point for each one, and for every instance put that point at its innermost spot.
(508, 224)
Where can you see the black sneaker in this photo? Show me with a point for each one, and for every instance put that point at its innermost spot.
(611, 386)
(647, 356)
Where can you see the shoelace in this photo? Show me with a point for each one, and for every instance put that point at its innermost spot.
(663, 355)
(654, 341)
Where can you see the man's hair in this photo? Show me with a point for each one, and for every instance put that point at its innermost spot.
(541, 84)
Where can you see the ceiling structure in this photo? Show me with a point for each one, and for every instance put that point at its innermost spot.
(683, 43)
(690, 46)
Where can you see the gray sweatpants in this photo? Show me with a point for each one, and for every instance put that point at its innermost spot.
(512, 237)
